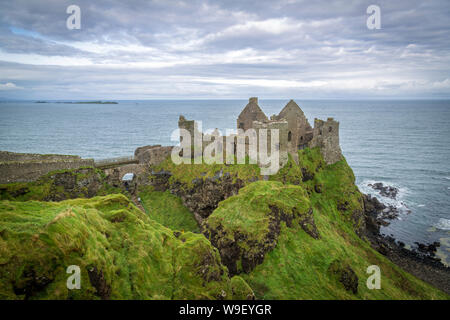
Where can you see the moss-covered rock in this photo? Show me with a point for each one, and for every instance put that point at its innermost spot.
(122, 253)
(246, 226)
(344, 274)
(241, 290)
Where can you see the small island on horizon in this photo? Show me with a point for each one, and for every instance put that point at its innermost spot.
(79, 102)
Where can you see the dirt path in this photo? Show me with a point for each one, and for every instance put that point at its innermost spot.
(137, 203)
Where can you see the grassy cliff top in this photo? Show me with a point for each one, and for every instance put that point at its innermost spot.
(186, 173)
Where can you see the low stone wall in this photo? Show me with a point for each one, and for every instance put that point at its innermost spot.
(152, 155)
(114, 162)
(6, 156)
(26, 171)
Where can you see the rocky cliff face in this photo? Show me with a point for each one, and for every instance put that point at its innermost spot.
(61, 185)
(204, 195)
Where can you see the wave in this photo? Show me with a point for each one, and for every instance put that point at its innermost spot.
(443, 224)
(398, 203)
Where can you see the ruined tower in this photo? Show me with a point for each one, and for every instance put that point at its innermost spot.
(326, 136)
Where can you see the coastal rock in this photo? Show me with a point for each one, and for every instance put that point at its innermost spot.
(428, 249)
(385, 191)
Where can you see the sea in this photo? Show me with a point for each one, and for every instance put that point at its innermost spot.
(401, 143)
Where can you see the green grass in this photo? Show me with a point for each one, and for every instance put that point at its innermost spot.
(299, 266)
(168, 210)
(186, 173)
(133, 256)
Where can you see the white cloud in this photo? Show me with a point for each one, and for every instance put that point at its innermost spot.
(9, 86)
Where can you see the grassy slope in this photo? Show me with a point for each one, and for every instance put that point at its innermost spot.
(168, 210)
(298, 268)
(186, 173)
(126, 251)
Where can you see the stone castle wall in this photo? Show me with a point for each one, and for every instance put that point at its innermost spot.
(152, 155)
(283, 129)
(26, 171)
(326, 136)
(252, 112)
(300, 131)
(6, 156)
(295, 132)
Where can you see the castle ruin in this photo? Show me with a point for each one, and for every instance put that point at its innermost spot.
(295, 132)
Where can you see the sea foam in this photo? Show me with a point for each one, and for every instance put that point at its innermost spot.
(397, 203)
(443, 224)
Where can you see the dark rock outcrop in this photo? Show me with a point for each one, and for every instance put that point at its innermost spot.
(419, 261)
(249, 253)
(385, 191)
(343, 273)
(205, 193)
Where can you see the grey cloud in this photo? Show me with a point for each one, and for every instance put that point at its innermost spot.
(200, 48)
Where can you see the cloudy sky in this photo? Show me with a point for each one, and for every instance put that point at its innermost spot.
(224, 49)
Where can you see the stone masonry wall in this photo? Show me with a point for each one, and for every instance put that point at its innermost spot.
(282, 127)
(326, 136)
(252, 112)
(6, 156)
(26, 171)
(152, 155)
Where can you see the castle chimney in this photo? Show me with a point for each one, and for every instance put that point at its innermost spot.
(253, 100)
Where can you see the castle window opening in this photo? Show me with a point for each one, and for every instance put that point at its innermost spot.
(241, 125)
(289, 136)
(330, 129)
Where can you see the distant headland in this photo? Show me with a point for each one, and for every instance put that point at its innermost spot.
(79, 102)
